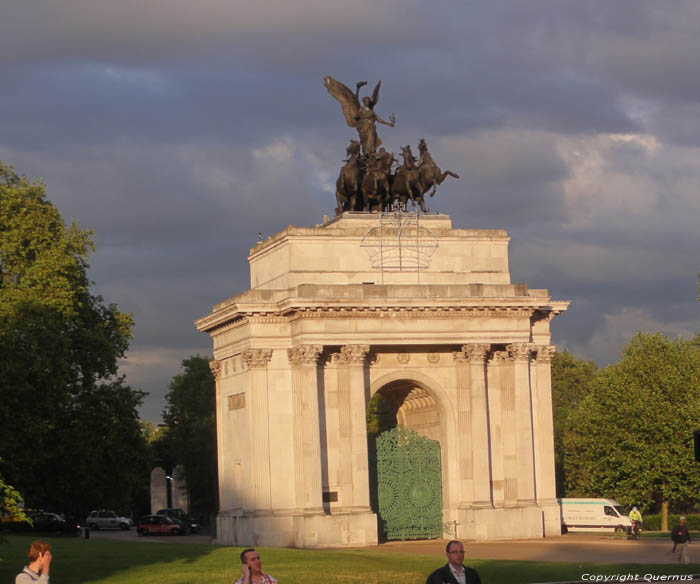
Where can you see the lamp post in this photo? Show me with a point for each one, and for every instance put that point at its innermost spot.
(169, 490)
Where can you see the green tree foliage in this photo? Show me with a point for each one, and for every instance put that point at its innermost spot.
(190, 439)
(571, 383)
(631, 437)
(69, 430)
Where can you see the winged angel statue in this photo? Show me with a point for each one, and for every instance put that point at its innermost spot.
(360, 116)
(367, 180)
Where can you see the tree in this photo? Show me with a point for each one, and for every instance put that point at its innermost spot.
(190, 439)
(571, 383)
(631, 437)
(64, 413)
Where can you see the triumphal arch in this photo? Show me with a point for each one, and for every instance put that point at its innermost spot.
(383, 378)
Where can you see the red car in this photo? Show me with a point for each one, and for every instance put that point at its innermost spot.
(158, 524)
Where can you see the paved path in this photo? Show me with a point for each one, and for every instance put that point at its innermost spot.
(568, 548)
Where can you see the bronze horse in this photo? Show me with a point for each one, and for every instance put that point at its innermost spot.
(430, 173)
(375, 185)
(347, 187)
(407, 183)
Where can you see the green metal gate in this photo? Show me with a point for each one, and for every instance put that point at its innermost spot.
(409, 490)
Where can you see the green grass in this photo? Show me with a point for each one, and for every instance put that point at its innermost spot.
(80, 561)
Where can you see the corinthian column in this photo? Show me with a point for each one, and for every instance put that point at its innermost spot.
(520, 352)
(353, 447)
(510, 435)
(464, 430)
(215, 367)
(495, 394)
(259, 424)
(307, 439)
(544, 426)
(476, 354)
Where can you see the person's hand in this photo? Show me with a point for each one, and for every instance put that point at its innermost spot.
(245, 572)
(45, 562)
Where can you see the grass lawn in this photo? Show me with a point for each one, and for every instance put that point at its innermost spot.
(80, 561)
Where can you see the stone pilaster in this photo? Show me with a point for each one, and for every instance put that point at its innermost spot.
(259, 422)
(476, 354)
(215, 367)
(308, 487)
(464, 433)
(495, 398)
(544, 425)
(510, 434)
(344, 428)
(520, 353)
(352, 406)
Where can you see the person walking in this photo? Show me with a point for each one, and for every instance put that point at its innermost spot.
(681, 539)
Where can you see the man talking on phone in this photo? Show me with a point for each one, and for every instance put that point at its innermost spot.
(251, 569)
(454, 572)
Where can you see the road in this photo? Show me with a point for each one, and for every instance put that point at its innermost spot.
(131, 535)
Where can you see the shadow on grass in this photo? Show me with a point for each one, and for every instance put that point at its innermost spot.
(79, 561)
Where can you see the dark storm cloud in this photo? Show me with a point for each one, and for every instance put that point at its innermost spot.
(178, 131)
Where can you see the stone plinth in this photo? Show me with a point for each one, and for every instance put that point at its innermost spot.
(422, 313)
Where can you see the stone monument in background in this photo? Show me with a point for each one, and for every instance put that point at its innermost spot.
(382, 378)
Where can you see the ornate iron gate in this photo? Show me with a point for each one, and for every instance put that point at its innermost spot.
(409, 486)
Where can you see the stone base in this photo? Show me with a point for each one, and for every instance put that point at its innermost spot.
(506, 523)
(552, 519)
(285, 529)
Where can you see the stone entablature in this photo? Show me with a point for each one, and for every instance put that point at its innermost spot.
(464, 357)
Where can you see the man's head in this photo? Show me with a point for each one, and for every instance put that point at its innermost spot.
(36, 549)
(454, 550)
(682, 520)
(251, 558)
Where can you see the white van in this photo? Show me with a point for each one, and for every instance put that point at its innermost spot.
(580, 514)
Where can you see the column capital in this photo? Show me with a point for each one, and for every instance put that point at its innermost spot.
(499, 357)
(519, 351)
(545, 353)
(256, 357)
(304, 354)
(215, 367)
(352, 354)
(475, 352)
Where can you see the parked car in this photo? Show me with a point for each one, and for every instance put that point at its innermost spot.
(158, 525)
(188, 523)
(43, 521)
(104, 519)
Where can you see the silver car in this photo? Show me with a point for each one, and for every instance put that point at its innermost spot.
(104, 519)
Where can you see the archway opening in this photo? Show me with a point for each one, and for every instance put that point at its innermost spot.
(403, 426)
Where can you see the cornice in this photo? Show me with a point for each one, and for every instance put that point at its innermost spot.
(224, 322)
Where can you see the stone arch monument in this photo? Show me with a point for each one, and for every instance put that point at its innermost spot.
(395, 304)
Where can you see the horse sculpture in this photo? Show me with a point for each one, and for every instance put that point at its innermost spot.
(347, 187)
(407, 183)
(375, 184)
(430, 173)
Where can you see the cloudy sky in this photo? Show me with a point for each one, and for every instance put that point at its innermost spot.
(177, 130)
